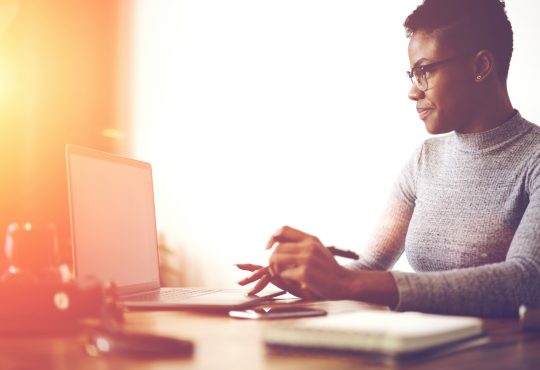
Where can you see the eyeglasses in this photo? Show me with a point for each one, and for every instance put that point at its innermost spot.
(418, 74)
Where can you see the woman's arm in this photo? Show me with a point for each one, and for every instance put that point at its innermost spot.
(324, 277)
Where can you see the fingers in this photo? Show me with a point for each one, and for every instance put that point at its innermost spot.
(295, 279)
(287, 263)
(248, 266)
(286, 255)
(258, 274)
(261, 284)
(291, 248)
(275, 280)
(287, 234)
(280, 261)
(294, 274)
(288, 281)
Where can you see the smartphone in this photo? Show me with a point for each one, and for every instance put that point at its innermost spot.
(268, 313)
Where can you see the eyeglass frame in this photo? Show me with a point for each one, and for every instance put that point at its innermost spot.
(424, 69)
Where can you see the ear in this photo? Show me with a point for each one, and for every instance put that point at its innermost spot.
(484, 65)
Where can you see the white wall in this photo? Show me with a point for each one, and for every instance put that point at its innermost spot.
(257, 114)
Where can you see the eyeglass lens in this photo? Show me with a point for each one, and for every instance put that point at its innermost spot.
(418, 78)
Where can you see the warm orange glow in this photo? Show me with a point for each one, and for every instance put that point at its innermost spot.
(58, 84)
(8, 11)
(6, 82)
(113, 133)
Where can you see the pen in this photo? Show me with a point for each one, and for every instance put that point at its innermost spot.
(343, 253)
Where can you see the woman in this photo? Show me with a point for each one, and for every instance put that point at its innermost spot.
(466, 207)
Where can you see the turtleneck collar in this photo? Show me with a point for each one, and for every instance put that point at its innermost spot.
(481, 141)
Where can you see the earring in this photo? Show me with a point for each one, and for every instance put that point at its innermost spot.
(478, 78)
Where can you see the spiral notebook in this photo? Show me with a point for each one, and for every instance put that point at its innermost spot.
(381, 332)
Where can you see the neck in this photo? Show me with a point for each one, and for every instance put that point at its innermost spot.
(493, 108)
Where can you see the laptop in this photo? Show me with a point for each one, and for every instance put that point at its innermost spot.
(114, 236)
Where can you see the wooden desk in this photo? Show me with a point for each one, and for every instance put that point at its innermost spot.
(226, 343)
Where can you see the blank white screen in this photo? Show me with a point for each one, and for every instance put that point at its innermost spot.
(113, 221)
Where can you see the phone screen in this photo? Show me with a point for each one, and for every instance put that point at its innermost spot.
(277, 312)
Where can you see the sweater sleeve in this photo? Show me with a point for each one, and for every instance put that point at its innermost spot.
(496, 289)
(388, 239)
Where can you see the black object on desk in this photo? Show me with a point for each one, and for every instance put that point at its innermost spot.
(111, 342)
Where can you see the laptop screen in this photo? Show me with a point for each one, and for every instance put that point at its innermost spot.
(112, 219)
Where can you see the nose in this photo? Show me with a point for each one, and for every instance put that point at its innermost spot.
(415, 93)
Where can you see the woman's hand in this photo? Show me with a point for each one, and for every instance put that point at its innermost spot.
(262, 276)
(301, 259)
(301, 265)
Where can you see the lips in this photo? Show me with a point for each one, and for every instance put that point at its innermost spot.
(423, 112)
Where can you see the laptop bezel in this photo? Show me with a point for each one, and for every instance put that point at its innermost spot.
(96, 154)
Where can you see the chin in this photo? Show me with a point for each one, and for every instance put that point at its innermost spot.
(435, 130)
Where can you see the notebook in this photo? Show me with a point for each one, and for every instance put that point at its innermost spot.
(114, 235)
(380, 332)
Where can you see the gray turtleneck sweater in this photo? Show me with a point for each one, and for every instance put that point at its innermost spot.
(466, 211)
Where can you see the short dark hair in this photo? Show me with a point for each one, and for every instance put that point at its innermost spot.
(468, 26)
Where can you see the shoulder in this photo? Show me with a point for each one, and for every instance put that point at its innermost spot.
(530, 152)
(531, 142)
(437, 143)
(533, 134)
(433, 147)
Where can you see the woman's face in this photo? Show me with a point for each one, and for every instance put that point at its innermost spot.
(447, 105)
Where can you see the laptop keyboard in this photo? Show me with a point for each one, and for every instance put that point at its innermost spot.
(173, 295)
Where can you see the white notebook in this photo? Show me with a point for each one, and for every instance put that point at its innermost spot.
(384, 332)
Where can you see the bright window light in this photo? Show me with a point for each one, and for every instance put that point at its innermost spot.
(258, 114)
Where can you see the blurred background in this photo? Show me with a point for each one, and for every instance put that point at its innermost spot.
(254, 114)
